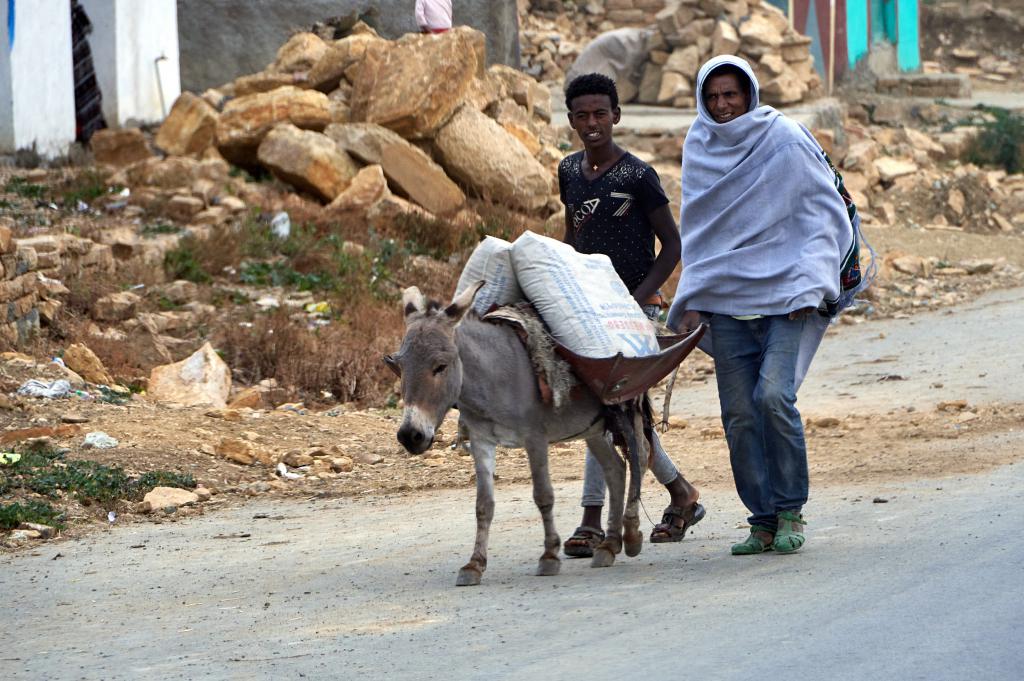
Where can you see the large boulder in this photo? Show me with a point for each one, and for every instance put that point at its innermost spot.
(417, 83)
(84, 362)
(119, 148)
(409, 170)
(247, 120)
(116, 307)
(308, 160)
(172, 172)
(482, 155)
(200, 379)
(299, 53)
(264, 81)
(189, 128)
(329, 70)
(367, 188)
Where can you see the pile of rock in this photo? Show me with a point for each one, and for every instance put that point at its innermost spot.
(689, 32)
(973, 39)
(970, 62)
(30, 291)
(367, 126)
(902, 176)
(552, 32)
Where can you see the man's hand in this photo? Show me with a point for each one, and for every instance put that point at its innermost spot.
(801, 313)
(689, 322)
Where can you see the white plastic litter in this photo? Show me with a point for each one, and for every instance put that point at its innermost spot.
(283, 471)
(99, 440)
(491, 262)
(52, 390)
(111, 517)
(281, 225)
(581, 299)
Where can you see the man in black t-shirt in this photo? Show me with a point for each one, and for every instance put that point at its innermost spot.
(614, 204)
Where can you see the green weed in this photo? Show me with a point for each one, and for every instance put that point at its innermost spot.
(159, 228)
(1001, 142)
(46, 473)
(183, 262)
(86, 186)
(12, 515)
(24, 188)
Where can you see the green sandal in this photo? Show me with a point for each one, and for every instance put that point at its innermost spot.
(753, 544)
(790, 535)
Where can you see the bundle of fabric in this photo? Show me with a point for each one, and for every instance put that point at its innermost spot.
(758, 205)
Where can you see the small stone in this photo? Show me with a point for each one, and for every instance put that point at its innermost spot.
(44, 531)
(296, 459)
(952, 405)
(202, 493)
(341, 464)
(227, 414)
(236, 450)
(74, 418)
(368, 458)
(826, 422)
(163, 497)
(677, 422)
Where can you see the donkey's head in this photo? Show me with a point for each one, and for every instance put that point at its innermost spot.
(428, 364)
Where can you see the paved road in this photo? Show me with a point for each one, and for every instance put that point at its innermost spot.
(973, 352)
(926, 586)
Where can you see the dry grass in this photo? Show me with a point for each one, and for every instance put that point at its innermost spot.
(343, 358)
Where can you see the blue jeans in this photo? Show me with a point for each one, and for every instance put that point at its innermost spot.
(755, 364)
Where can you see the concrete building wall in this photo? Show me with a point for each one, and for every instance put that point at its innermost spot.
(128, 38)
(224, 39)
(37, 91)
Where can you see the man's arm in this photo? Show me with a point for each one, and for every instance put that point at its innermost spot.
(569, 237)
(665, 229)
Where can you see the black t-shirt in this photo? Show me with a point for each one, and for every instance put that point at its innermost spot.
(609, 213)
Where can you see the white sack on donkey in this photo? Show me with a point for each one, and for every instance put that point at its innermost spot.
(491, 262)
(581, 299)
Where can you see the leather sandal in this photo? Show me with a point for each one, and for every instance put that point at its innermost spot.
(668, 530)
(583, 542)
(754, 543)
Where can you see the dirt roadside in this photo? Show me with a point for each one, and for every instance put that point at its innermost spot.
(909, 425)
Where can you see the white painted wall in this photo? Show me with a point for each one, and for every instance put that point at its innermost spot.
(127, 39)
(37, 90)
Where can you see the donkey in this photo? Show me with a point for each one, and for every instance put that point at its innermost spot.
(449, 357)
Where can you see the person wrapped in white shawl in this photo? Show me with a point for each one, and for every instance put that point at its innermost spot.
(764, 234)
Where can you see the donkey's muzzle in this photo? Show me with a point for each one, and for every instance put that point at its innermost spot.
(413, 439)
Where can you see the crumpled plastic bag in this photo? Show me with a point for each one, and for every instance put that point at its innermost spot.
(99, 440)
(53, 390)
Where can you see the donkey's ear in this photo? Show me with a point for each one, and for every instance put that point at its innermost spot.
(461, 304)
(392, 362)
(413, 301)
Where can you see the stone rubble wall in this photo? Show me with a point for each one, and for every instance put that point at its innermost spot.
(31, 271)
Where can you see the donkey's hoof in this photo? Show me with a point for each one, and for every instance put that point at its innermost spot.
(468, 576)
(603, 557)
(548, 567)
(633, 543)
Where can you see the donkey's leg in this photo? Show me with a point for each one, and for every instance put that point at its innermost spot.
(544, 496)
(483, 461)
(615, 477)
(633, 539)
